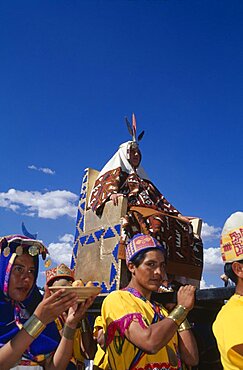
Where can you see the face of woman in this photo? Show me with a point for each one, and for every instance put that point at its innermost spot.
(148, 276)
(135, 157)
(22, 277)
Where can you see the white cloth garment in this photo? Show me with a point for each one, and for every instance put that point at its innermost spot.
(120, 159)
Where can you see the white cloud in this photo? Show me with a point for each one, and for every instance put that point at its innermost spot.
(203, 284)
(32, 167)
(45, 170)
(212, 259)
(67, 238)
(14, 207)
(210, 232)
(52, 204)
(61, 251)
(213, 266)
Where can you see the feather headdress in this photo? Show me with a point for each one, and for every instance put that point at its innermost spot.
(132, 129)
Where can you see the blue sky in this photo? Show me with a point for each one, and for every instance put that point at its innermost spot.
(71, 70)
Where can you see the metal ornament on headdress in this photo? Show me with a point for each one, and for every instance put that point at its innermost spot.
(18, 244)
(132, 129)
(33, 250)
(19, 250)
(48, 263)
(6, 251)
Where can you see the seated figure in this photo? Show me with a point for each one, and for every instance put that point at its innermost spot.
(149, 212)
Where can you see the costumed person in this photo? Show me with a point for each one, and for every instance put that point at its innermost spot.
(228, 327)
(101, 358)
(29, 338)
(149, 212)
(84, 346)
(140, 333)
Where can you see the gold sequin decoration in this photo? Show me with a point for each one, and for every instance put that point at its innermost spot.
(19, 250)
(48, 263)
(6, 251)
(33, 250)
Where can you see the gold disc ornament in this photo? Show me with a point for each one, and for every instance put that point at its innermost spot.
(6, 251)
(19, 250)
(48, 263)
(33, 250)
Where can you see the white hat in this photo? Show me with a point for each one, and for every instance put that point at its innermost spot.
(231, 243)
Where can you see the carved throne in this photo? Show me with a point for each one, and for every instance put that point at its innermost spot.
(95, 253)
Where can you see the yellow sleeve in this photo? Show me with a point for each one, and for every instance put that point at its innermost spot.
(228, 330)
(76, 346)
(118, 305)
(101, 359)
(233, 328)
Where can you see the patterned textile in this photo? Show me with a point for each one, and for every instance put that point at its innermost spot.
(231, 243)
(139, 192)
(59, 272)
(184, 250)
(13, 314)
(141, 242)
(150, 213)
(119, 309)
(17, 242)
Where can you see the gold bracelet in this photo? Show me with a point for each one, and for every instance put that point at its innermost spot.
(84, 326)
(185, 325)
(33, 326)
(178, 315)
(68, 332)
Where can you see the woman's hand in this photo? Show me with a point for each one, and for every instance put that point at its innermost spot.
(54, 305)
(114, 198)
(77, 312)
(186, 296)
